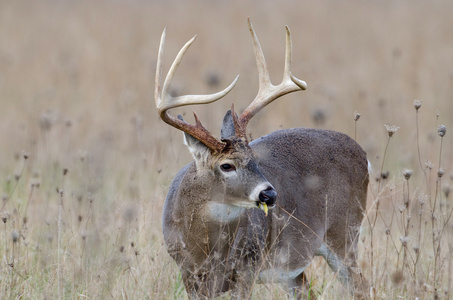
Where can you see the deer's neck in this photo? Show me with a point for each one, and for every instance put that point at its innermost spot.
(222, 213)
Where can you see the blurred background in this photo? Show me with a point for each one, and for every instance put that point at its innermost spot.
(79, 76)
(77, 85)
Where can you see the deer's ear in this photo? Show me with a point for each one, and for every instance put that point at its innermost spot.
(228, 129)
(199, 151)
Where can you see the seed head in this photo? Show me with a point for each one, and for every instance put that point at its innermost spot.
(407, 174)
(442, 130)
(48, 118)
(440, 172)
(15, 236)
(446, 191)
(404, 240)
(91, 198)
(417, 104)
(357, 116)
(25, 154)
(391, 129)
(397, 277)
(5, 216)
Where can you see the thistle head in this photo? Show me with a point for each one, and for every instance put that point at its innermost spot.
(391, 129)
(442, 130)
(417, 104)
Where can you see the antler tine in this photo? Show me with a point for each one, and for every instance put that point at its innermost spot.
(263, 73)
(267, 92)
(288, 57)
(164, 101)
(158, 78)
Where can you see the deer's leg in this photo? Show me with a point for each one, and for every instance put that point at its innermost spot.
(335, 263)
(242, 287)
(189, 283)
(341, 256)
(299, 288)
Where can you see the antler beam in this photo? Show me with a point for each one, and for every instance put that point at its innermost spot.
(268, 92)
(164, 101)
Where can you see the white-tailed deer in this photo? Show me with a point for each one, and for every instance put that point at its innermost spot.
(315, 181)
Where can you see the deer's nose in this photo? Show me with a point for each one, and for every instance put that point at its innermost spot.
(268, 196)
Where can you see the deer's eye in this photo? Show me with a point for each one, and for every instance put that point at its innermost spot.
(227, 167)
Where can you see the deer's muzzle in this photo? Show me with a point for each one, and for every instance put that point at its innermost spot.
(267, 199)
(268, 196)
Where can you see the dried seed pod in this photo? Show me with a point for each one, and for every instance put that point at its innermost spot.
(440, 172)
(397, 277)
(15, 236)
(391, 129)
(442, 130)
(407, 174)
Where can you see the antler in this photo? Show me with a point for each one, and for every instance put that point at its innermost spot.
(164, 101)
(268, 92)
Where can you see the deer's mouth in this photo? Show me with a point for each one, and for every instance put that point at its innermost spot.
(264, 207)
(266, 199)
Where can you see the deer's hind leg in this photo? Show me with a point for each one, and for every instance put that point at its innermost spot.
(341, 256)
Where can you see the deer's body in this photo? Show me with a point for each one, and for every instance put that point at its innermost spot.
(218, 245)
(315, 181)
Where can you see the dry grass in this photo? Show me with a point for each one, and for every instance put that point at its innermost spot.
(76, 86)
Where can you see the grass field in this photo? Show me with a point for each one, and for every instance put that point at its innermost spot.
(85, 161)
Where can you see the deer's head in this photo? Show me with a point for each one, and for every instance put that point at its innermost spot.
(228, 162)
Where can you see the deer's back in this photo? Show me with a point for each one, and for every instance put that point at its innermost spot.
(321, 177)
(305, 151)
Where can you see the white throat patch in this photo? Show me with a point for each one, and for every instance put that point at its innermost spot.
(222, 212)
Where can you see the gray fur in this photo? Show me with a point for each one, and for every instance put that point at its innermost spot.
(227, 131)
(321, 179)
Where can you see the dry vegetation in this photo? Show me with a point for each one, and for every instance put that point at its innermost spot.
(85, 162)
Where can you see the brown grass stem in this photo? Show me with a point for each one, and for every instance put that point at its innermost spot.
(418, 149)
(18, 177)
